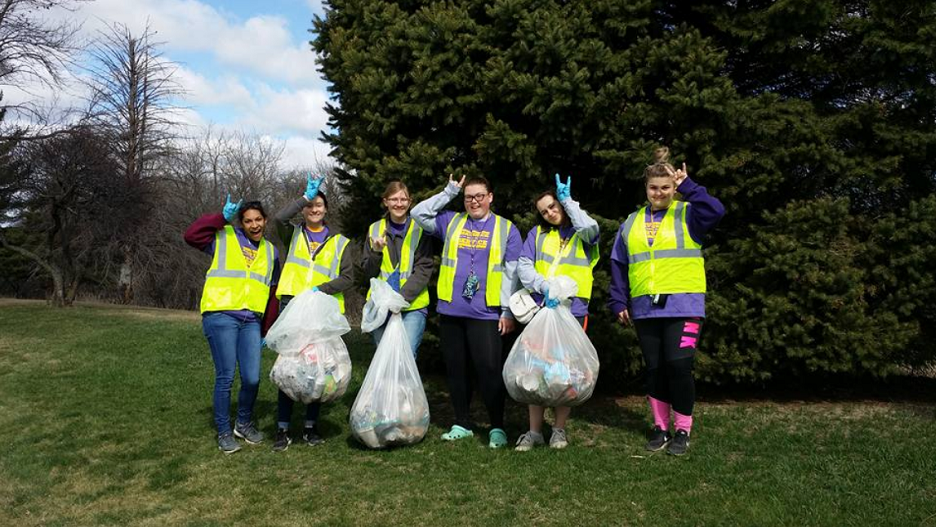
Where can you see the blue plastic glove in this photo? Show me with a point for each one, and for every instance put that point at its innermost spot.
(563, 190)
(312, 186)
(315, 289)
(231, 209)
(551, 302)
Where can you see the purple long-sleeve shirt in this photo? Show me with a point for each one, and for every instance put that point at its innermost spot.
(704, 214)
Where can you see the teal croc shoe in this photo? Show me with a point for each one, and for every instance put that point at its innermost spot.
(456, 433)
(497, 438)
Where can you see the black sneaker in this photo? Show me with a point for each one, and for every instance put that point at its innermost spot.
(282, 441)
(680, 443)
(227, 443)
(659, 438)
(311, 438)
(248, 432)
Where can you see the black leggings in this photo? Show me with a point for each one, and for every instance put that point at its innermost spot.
(468, 341)
(669, 346)
(284, 405)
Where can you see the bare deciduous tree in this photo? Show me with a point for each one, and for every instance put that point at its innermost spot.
(33, 52)
(132, 94)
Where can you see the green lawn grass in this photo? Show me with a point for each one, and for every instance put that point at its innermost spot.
(105, 419)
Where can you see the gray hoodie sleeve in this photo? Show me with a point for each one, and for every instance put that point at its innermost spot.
(529, 278)
(425, 212)
(584, 225)
(284, 216)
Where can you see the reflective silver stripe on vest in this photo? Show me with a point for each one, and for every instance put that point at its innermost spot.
(336, 261)
(414, 243)
(665, 253)
(223, 272)
(292, 258)
(504, 230)
(628, 224)
(571, 259)
(680, 239)
(449, 233)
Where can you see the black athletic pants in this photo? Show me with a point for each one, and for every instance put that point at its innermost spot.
(669, 346)
(468, 343)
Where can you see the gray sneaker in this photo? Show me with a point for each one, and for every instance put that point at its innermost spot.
(227, 443)
(558, 438)
(248, 432)
(659, 439)
(529, 440)
(680, 443)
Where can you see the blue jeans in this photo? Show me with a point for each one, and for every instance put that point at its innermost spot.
(232, 342)
(414, 322)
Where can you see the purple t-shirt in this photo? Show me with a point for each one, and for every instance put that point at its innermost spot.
(579, 305)
(705, 212)
(248, 245)
(473, 251)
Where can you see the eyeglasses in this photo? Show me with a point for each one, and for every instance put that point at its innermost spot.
(397, 201)
(477, 197)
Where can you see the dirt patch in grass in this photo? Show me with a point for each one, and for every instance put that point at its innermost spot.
(153, 313)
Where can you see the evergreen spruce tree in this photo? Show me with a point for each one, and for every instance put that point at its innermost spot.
(812, 121)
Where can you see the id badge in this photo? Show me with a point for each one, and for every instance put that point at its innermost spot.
(471, 286)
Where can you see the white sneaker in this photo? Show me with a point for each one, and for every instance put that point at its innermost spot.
(558, 438)
(529, 440)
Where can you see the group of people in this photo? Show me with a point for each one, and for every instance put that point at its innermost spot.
(657, 284)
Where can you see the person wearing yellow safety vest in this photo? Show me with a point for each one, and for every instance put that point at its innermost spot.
(397, 251)
(564, 243)
(315, 260)
(237, 294)
(476, 278)
(658, 282)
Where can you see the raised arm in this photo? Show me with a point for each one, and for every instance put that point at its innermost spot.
(425, 212)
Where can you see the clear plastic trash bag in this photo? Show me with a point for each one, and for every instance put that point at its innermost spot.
(383, 300)
(553, 362)
(313, 363)
(391, 408)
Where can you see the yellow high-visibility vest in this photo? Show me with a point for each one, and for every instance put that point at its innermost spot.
(231, 284)
(301, 273)
(673, 264)
(574, 262)
(407, 259)
(495, 263)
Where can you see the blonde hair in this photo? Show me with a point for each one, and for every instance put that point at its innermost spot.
(393, 187)
(660, 166)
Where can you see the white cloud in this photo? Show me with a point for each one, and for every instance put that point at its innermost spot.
(304, 152)
(262, 44)
(199, 90)
(282, 111)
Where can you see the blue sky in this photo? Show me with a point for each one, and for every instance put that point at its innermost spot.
(245, 64)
